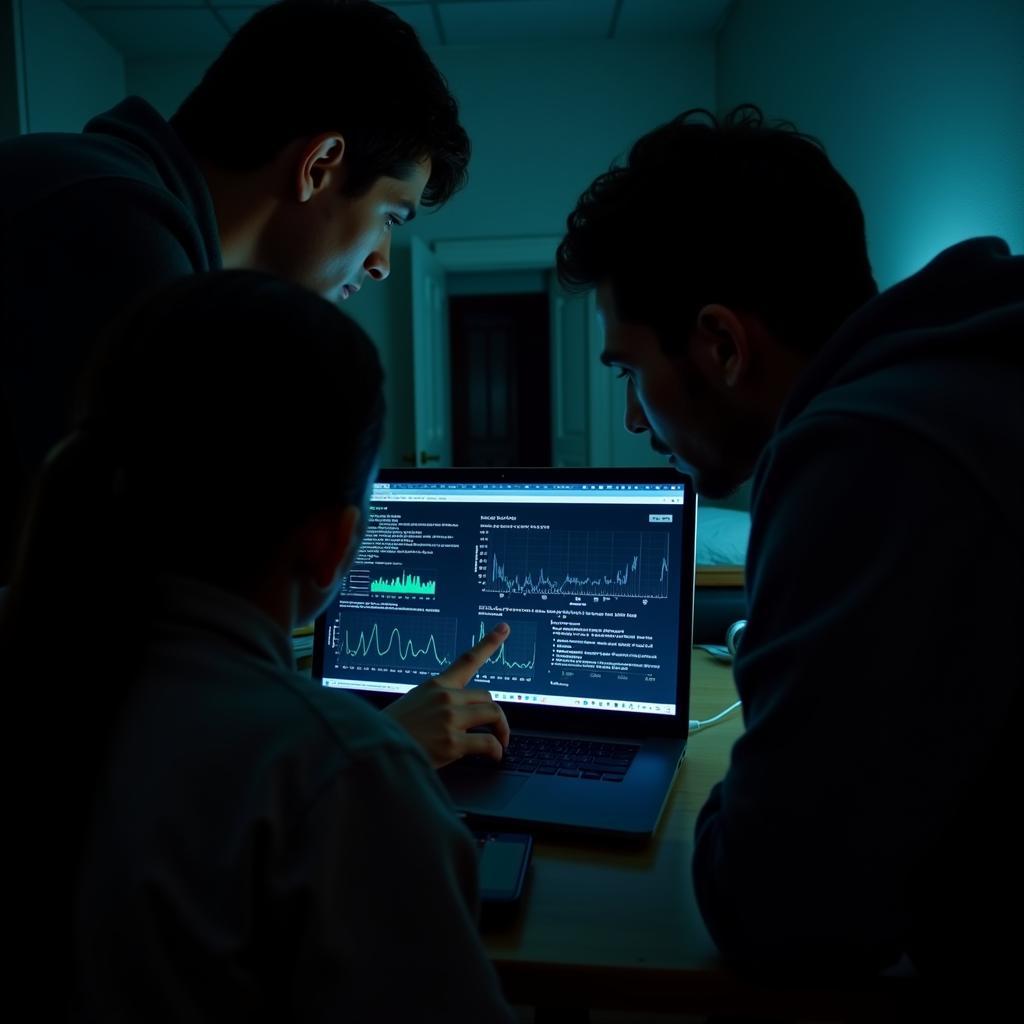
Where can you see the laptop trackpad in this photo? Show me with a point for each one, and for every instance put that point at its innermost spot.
(493, 789)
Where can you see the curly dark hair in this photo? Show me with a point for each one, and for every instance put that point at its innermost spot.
(736, 211)
(301, 67)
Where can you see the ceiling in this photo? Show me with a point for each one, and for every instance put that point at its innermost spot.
(141, 29)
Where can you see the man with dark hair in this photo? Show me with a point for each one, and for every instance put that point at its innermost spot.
(297, 154)
(320, 128)
(867, 813)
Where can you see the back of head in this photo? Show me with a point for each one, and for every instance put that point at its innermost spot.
(737, 212)
(217, 414)
(233, 405)
(302, 67)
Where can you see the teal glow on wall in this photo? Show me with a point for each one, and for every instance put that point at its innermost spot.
(920, 104)
(970, 194)
(69, 72)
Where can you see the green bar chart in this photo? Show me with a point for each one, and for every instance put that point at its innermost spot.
(403, 585)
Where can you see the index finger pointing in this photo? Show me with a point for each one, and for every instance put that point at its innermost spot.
(468, 664)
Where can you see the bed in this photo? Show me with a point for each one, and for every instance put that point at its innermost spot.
(722, 536)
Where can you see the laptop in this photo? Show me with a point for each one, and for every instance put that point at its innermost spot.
(593, 569)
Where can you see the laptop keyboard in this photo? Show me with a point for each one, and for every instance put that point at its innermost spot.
(575, 758)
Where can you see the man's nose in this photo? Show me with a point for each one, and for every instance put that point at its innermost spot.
(636, 421)
(378, 263)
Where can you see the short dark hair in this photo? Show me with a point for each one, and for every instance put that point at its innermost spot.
(217, 415)
(235, 405)
(735, 211)
(301, 67)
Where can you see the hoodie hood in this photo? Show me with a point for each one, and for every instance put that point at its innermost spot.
(945, 307)
(135, 128)
(939, 354)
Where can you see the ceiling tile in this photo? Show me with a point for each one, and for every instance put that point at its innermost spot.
(171, 28)
(499, 21)
(642, 18)
(160, 33)
(85, 5)
(419, 15)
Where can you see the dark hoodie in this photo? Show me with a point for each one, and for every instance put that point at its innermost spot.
(87, 223)
(870, 808)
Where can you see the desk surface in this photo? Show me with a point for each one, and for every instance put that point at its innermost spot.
(600, 920)
(619, 928)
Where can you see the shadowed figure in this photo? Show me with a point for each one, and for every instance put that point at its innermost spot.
(224, 838)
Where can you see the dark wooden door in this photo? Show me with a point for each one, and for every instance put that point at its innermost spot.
(501, 380)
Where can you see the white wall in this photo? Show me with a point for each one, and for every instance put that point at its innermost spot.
(165, 83)
(920, 104)
(11, 107)
(68, 71)
(544, 122)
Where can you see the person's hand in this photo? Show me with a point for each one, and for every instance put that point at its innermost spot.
(437, 713)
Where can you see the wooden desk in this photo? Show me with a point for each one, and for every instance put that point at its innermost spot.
(618, 927)
(612, 926)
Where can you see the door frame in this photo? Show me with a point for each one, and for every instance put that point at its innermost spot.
(537, 252)
(490, 254)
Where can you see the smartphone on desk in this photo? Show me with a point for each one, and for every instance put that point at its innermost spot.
(503, 859)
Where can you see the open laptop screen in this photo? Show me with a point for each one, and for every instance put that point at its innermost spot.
(589, 573)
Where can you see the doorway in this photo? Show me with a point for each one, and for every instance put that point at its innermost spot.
(500, 379)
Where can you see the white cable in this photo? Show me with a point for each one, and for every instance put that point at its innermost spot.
(696, 725)
(727, 653)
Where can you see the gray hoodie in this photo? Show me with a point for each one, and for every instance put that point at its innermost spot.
(869, 810)
(87, 223)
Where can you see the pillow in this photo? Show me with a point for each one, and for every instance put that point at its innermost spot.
(722, 535)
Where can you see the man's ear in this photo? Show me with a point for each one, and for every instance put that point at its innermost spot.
(721, 345)
(327, 543)
(319, 164)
